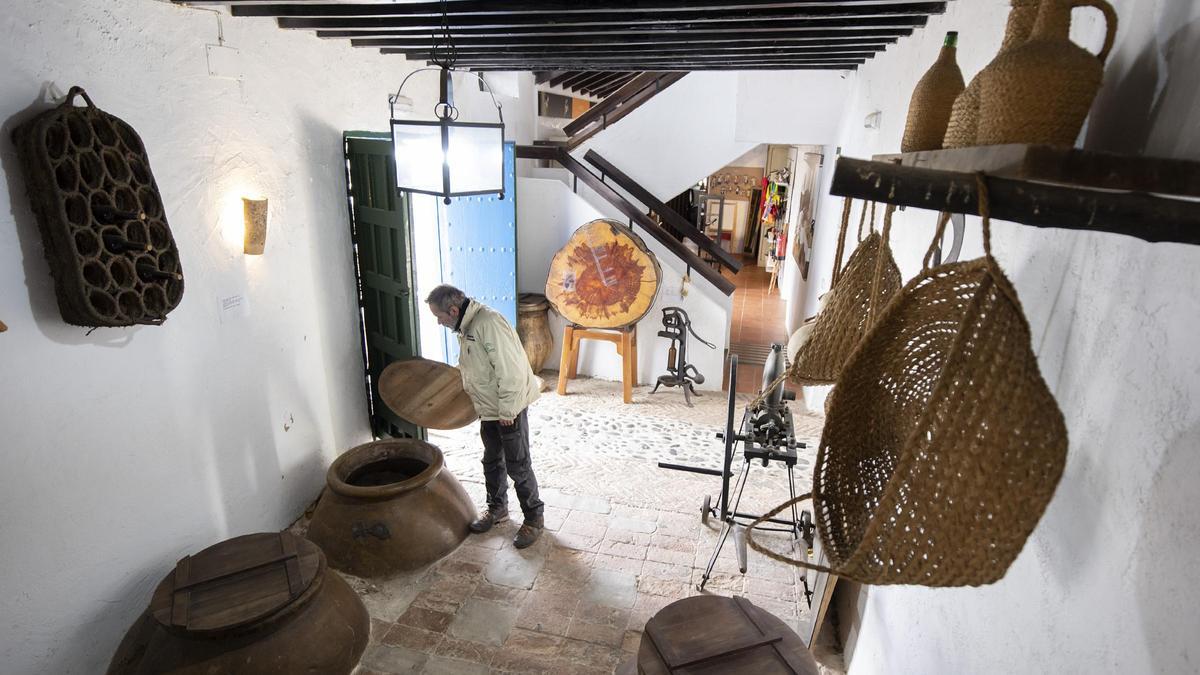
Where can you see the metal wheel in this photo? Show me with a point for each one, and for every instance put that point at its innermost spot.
(705, 509)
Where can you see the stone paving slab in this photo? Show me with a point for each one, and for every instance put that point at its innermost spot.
(623, 539)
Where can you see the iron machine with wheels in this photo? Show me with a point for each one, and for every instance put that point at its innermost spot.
(766, 435)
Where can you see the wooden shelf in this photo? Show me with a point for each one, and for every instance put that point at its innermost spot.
(1148, 198)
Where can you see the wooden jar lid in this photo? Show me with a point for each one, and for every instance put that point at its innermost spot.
(236, 583)
(427, 393)
(709, 634)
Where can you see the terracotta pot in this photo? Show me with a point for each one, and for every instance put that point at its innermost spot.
(391, 506)
(1041, 91)
(222, 611)
(533, 327)
(964, 119)
(932, 100)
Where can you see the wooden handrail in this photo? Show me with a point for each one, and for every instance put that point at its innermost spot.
(617, 105)
(577, 169)
(674, 221)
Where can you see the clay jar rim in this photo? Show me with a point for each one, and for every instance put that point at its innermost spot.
(375, 451)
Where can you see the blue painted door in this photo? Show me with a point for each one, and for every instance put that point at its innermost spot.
(478, 242)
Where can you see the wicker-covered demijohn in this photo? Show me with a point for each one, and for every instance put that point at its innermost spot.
(111, 253)
(964, 118)
(1041, 91)
(942, 445)
(932, 101)
(853, 302)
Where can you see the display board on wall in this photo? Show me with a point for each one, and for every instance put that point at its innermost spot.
(736, 182)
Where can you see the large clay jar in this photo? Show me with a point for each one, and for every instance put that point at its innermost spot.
(391, 506)
(1040, 92)
(533, 327)
(932, 100)
(964, 119)
(257, 604)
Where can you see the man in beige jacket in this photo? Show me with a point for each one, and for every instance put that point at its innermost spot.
(497, 377)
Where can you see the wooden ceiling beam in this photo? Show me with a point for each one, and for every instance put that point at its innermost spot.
(621, 80)
(674, 48)
(594, 77)
(664, 67)
(573, 81)
(486, 6)
(422, 54)
(601, 39)
(562, 76)
(651, 64)
(620, 24)
(430, 13)
(684, 67)
(607, 80)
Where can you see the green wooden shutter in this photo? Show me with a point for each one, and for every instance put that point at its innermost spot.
(380, 220)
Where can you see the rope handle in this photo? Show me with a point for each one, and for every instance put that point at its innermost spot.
(776, 556)
(841, 245)
(938, 233)
(77, 91)
(863, 218)
(873, 308)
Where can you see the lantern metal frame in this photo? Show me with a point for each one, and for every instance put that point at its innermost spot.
(447, 118)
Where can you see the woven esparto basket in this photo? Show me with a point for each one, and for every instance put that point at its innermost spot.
(852, 306)
(943, 445)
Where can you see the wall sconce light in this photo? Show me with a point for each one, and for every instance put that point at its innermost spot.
(446, 157)
(254, 212)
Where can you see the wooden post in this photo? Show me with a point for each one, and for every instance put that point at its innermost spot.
(564, 363)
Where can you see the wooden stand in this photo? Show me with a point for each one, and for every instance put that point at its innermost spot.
(624, 338)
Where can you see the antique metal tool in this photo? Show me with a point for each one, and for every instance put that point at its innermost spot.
(766, 434)
(676, 327)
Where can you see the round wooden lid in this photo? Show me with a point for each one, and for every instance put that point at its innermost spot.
(236, 583)
(604, 277)
(427, 393)
(707, 634)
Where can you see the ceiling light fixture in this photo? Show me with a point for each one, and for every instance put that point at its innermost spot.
(444, 156)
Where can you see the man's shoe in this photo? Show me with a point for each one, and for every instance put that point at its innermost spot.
(529, 533)
(487, 519)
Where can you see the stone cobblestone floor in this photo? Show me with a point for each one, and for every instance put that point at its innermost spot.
(623, 539)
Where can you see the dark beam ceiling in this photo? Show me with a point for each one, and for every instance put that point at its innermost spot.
(595, 48)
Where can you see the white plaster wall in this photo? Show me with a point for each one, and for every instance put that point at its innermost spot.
(548, 212)
(1108, 582)
(128, 448)
(683, 134)
(709, 119)
(790, 107)
(756, 156)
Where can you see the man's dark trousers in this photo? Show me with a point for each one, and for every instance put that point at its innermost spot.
(506, 451)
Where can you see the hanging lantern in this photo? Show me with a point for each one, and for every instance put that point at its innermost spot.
(444, 156)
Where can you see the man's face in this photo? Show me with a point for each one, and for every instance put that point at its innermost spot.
(447, 319)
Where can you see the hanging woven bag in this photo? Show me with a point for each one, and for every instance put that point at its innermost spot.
(943, 445)
(855, 299)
